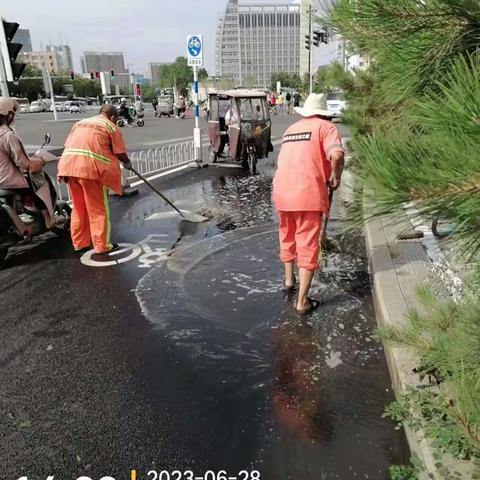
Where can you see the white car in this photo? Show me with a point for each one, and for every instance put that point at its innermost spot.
(77, 107)
(336, 105)
(37, 106)
(24, 108)
(60, 106)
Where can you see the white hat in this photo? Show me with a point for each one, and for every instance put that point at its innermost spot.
(7, 105)
(315, 104)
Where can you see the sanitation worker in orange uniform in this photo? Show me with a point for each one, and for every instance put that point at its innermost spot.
(90, 164)
(311, 155)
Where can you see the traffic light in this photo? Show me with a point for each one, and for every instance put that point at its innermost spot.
(10, 50)
(319, 37)
(112, 73)
(72, 74)
(308, 42)
(92, 75)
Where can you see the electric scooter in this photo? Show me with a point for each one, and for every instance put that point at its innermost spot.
(21, 220)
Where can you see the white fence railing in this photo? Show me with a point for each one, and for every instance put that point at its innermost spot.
(148, 163)
(161, 159)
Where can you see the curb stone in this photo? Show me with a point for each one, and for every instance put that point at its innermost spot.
(397, 267)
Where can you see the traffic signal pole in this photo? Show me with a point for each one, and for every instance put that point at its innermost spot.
(310, 51)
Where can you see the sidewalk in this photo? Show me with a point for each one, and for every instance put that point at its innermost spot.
(397, 267)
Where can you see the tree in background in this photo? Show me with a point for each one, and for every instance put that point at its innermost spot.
(27, 86)
(83, 87)
(180, 74)
(288, 80)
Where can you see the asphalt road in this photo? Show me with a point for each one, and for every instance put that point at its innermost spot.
(32, 127)
(180, 352)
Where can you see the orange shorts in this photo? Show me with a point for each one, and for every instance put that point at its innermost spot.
(299, 236)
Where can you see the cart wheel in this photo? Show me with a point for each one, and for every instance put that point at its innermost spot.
(253, 163)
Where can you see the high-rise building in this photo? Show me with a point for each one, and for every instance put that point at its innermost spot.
(64, 53)
(255, 41)
(155, 72)
(23, 36)
(104, 62)
(42, 60)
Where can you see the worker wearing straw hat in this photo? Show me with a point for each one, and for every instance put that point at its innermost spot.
(311, 156)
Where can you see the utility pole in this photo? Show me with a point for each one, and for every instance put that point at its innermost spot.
(52, 93)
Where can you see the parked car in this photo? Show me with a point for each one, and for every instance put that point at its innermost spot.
(37, 106)
(77, 107)
(336, 104)
(23, 104)
(60, 106)
(24, 108)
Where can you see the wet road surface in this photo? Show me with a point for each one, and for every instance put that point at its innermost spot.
(191, 357)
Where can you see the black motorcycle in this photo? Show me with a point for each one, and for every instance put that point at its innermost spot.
(21, 219)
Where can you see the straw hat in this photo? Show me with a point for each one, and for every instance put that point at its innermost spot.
(315, 104)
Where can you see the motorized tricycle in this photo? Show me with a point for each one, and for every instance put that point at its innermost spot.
(165, 106)
(239, 127)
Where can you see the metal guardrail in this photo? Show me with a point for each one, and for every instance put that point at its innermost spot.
(160, 159)
(148, 163)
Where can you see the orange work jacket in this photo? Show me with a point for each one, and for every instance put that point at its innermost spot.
(90, 152)
(304, 166)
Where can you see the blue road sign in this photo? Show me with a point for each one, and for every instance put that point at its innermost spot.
(194, 46)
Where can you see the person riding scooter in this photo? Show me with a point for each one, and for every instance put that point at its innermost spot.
(19, 172)
(123, 111)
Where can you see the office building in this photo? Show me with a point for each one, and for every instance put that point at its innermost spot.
(254, 41)
(64, 53)
(42, 60)
(23, 36)
(104, 62)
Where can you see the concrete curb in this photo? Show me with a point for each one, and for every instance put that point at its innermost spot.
(397, 267)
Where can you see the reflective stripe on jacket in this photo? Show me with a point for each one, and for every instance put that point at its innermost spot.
(90, 152)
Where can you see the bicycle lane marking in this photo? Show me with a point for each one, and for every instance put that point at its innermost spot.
(147, 255)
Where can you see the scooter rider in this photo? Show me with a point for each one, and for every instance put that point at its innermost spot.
(15, 165)
(180, 106)
(123, 111)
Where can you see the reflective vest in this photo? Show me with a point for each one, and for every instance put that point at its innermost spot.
(304, 167)
(90, 152)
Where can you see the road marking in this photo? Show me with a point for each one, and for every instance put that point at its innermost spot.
(87, 259)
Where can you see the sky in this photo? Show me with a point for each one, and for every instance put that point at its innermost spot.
(145, 30)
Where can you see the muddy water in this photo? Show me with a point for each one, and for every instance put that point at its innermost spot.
(293, 397)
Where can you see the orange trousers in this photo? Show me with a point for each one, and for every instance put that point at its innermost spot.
(91, 215)
(299, 236)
